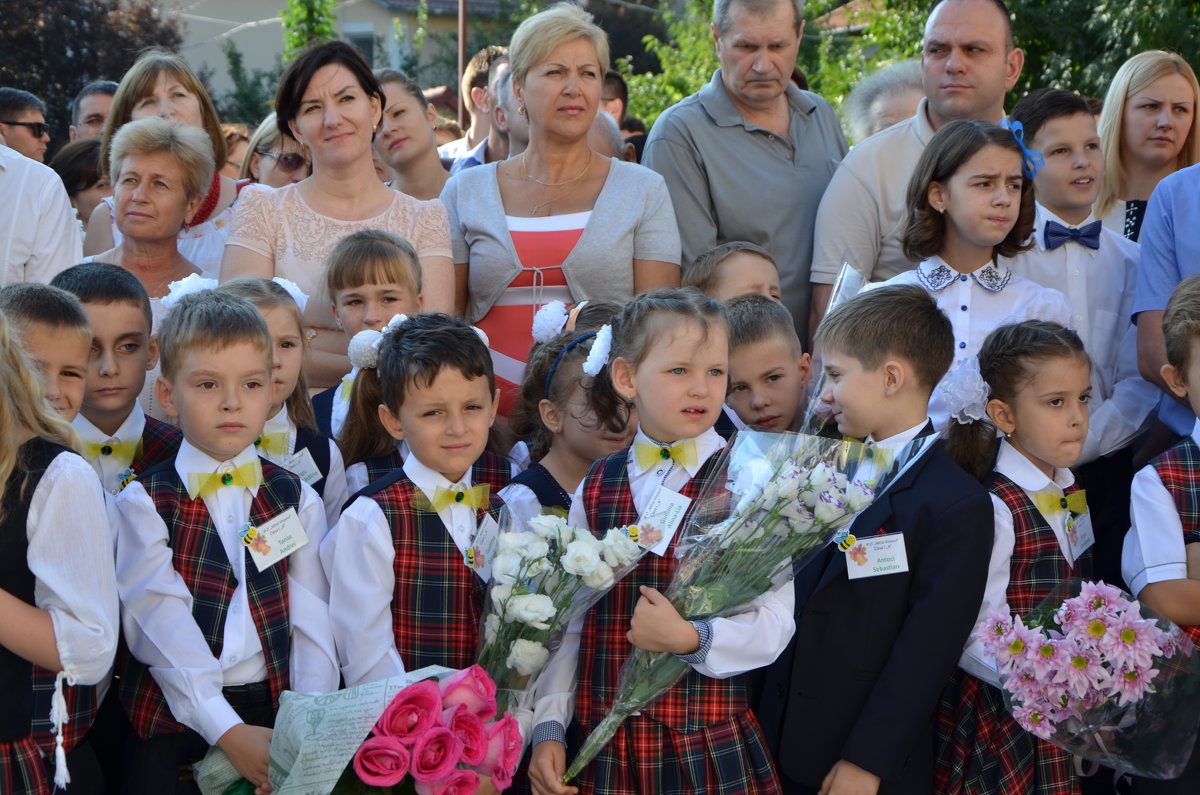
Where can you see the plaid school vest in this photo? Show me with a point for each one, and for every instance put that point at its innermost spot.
(160, 442)
(199, 557)
(17, 702)
(696, 701)
(437, 604)
(1038, 565)
(1178, 470)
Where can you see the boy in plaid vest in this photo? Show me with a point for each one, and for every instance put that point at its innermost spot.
(850, 709)
(217, 619)
(1165, 506)
(408, 561)
(670, 356)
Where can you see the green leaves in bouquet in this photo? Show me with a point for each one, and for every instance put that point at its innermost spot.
(239, 787)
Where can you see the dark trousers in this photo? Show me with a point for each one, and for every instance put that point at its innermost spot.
(162, 765)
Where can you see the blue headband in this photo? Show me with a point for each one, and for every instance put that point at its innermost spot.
(557, 359)
(1032, 161)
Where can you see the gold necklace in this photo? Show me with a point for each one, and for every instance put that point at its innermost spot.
(576, 178)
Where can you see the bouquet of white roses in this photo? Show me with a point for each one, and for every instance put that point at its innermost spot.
(542, 580)
(1100, 675)
(790, 494)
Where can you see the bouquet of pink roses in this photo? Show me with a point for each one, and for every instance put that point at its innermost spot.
(437, 739)
(1098, 674)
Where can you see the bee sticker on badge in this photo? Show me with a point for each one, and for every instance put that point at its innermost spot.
(248, 534)
(844, 539)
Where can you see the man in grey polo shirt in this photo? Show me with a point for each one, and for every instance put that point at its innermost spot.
(749, 155)
(968, 62)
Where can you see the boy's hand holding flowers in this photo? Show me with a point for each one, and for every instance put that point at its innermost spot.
(657, 626)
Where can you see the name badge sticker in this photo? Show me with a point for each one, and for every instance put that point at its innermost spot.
(274, 540)
(483, 548)
(659, 522)
(302, 465)
(875, 556)
(1080, 535)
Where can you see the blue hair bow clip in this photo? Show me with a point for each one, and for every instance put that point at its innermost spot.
(1032, 161)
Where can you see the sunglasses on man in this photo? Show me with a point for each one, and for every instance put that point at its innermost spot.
(36, 128)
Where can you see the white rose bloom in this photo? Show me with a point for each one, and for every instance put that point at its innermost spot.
(858, 496)
(820, 478)
(829, 509)
(529, 546)
(618, 549)
(508, 542)
(601, 578)
(506, 567)
(582, 557)
(533, 609)
(527, 657)
(490, 628)
(500, 592)
(547, 525)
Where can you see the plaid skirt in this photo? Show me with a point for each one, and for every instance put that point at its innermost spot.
(979, 749)
(23, 771)
(647, 758)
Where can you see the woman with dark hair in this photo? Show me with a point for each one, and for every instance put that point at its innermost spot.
(330, 102)
(162, 84)
(78, 166)
(407, 141)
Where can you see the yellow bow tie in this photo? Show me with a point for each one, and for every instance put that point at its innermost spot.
(1050, 503)
(273, 443)
(475, 497)
(119, 451)
(650, 455)
(205, 484)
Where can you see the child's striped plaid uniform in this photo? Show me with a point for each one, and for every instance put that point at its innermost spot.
(979, 746)
(437, 604)
(1177, 468)
(701, 737)
(199, 558)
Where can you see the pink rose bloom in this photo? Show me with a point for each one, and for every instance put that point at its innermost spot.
(460, 782)
(469, 729)
(435, 754)
(473, 687)
(381, 761)
(503, 752)
(415, 709)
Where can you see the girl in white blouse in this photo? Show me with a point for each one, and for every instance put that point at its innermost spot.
(58, 590)
(970, 205)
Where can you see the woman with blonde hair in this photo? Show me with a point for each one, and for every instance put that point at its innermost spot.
(1148, 129)
(557, 222)
(273, 159)
(161, 84)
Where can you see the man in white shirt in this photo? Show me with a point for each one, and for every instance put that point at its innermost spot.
(38, 234)
(473, 91)
(969, 62)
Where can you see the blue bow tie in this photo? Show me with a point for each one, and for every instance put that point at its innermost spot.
(1056, 234)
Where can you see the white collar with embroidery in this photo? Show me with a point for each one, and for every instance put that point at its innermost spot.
(935, 275)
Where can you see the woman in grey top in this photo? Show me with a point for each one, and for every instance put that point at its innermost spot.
(558, 221)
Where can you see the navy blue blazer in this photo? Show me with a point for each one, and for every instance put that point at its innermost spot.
(862, 676)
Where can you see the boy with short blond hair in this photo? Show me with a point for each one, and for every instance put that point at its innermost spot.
(221, 613)
(119, 440)
(889, 641)
(56, 336)
(768, 368)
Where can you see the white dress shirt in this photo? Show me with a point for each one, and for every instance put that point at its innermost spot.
(359, 556)
(1021, 471)
(158, 622)
(336, 490)
(740, 643)
(977, 304)
(38, 234)
(1154, 549)
(110, 468)
(70, 557)
(1099, 286)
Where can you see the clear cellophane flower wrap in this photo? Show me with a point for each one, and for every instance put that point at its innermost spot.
(544, 576)
(776, 500)
(1100, 675)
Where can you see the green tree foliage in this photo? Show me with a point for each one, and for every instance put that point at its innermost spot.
(53, 48)
(306, 22)
(1073, 44)
(253, 94)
